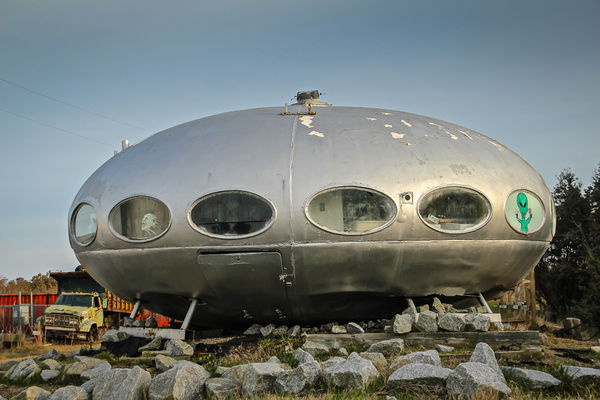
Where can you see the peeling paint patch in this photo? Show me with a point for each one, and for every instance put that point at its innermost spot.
(466, 134)
(396, 135)
(406, 123)
(372, 119)
(405, 143)
(460, 169)
(498, 146)
(452, 135)
(386, 113)
(306, 120)
(434, 124)
(388, 126)
(315, 133)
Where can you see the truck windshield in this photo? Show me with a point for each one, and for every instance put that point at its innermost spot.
(77, 300)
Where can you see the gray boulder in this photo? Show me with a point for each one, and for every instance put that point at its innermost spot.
(530, 378)
(50, 364)
(138, 323)
(314, 348)
(477, 323)
(414, 315)
(267, 330)
(274, 359)
(95, 372)
(303, 377)
(260, 378)
(49, 374)
(582, 372)
(331, 362)
(151, 322)
(294, 331)
(302, 356)
(89, 362)
(237, 372)
(377, 359)
(114, 336)
(177, 347)
(128, 322)
(427, 322)
(22, 371)
(418, 374)
(6, 365)
(69, 393)
(473, 378)
(388, 348)
(254, 329)
(402, 323)
(185, 381)
(51, 354)
(451, 322)
(33, 393)
(338, 329)
(163, 363)
(155, 344)
(122, 384)
(353, 327)
(343, 351)
(222, 388)
(484, 354)
(280, 331)
(430, 357)
(74, 369)
(437, 306)
(221, 370)
(443, 349)
(353, 373)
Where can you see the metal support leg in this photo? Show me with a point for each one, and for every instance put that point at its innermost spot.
(411, 304)
(136, 308)
(484, 303)
(188, 316)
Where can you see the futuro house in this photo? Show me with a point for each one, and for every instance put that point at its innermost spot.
(309, 213)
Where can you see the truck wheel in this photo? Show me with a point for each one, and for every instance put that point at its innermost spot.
(93, 334)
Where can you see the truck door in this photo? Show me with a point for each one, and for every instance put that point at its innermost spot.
(98, 313)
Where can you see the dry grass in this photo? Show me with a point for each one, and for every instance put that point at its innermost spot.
(29, 350)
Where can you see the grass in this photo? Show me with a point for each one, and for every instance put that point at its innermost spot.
(29, 350)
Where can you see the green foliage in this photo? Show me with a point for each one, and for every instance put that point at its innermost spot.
(568, 276)
(41, 283)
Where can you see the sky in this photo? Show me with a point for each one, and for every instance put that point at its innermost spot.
(526, 73)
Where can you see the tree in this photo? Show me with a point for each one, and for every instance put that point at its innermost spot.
(568, 276)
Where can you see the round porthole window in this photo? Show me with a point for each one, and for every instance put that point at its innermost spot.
(231, 215)
(454, 209)
(524, 211)
(139, 219)
(84, 225)
(350, 210)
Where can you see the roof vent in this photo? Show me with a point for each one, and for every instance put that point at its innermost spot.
(310, 97)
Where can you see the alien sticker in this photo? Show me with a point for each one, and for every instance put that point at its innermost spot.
(523, 210)
(149, 223)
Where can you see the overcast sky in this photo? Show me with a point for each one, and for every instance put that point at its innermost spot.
(526, 73)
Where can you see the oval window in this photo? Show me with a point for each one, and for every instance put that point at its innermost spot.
(454, 209)
(139, 218)
(524, 211)
(84, 224)
(231, 215)
(350, 210)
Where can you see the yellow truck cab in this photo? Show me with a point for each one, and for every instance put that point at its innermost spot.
(75, 315)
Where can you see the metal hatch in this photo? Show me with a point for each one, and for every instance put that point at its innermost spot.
(248, 284)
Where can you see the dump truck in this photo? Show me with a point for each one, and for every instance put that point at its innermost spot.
(84, 309)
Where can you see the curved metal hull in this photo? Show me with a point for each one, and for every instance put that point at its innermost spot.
(295, 271)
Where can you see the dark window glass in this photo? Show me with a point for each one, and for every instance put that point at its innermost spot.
(231, 214)
(454, 209)
(350, 210)
(77, 300)
(84, 224)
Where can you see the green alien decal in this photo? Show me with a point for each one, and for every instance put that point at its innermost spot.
(523, 209)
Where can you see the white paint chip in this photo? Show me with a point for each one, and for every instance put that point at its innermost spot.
(452, 135)
(498, 146)
(372, 119)
(388, 126)
(306, 120)
(386, 113)
(315, 133)
(434, 124)
(466, 134)
(396, 135)
(406, 123)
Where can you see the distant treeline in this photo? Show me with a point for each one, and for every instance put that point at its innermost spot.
(41, 283)
(568, 276)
